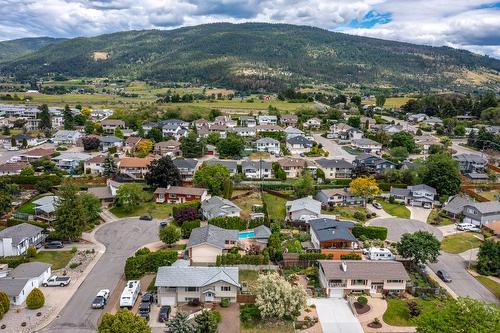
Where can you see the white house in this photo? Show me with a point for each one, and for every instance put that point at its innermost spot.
(367, 146)
(243, 131)
(71, 160)
(298, 145)
(419, 195)
(268, 144)
(302, 209)
(23, 279)
(257, 169)
(312, 123)
(65, 137)
(16, 240)
(218, 207)
(267, 120)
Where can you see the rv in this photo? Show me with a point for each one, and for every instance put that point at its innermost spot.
(130, 294)
(377, 253)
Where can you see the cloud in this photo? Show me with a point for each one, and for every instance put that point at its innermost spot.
(469, 24)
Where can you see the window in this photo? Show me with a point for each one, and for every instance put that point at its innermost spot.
(191, 289)
(358, 282)
(394, 281)
(225, 288)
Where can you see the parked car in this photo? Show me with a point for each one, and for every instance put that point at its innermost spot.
(54, 245)
(443, 275)
(475, 228)
(57, 281)
(163, 224)
(144, 310)
(146, 218)
(464, 226)
(100, 299)
(164, 313)
(147, 298)
(13, 148)
(376, 205)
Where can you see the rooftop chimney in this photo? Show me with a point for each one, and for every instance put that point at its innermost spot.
(344, 266)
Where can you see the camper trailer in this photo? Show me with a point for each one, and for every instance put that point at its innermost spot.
(130, 293)
(377, 253)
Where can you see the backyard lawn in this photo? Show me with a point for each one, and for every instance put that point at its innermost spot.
(397, 313)
(247, 202)
(395, 209)
(491, 285)
(348, 212)
(458, 243)
(259, 155)
(250, 277)
(27, 208)
(436, 219)
(275, 207)
(158, 211)
(58, 259)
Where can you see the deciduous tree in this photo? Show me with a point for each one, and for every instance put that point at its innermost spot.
(421, 247)
(364, 187)
(144, 147)
(441, 172)
(162, 173)
(304, 185)
(130, 196)
(90, 142)
(404, 139)
(212, 177)
(170, 234)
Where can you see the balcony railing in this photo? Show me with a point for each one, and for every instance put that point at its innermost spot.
(337, 285)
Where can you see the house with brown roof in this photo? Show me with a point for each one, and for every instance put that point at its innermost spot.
(179, 194)
(12, 168)
(342, 277)
(134, 167)
(293, 167)
(131, 143)
(95, 165)
(289, 119)
(268, 128)
(338, 197)
(36, 154)
(171, 148)
(110, 125)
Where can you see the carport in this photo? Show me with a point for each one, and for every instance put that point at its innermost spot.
(335, 316)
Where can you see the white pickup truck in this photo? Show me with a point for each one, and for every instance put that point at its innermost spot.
(57, 281)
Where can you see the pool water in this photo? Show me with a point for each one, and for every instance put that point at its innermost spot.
(247, 234)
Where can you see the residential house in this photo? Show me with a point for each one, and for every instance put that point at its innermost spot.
(231, 165)
(289, 120)
(14, 168)
(134, 167)
(207, 242)
(187, 168)
(65, 137)
(106, 194)
(45, 207)
(100, 114)
(174, 130)
(292, 132)
(110, 125)
(23, 279)
(312, 123)
(335, 168)
(434, 121)
(170, 148)
(33, 124)
(225, 121)
(338, 130)
(243, 131)
(493, 129)
(110, 142)
(417, 118)
(179, 284)
(70, 161)
(471, 165)
(390, 129)
(332, 236)
(339, 197)
(211, 150)
(201, 124)
(95, 165)
(372, 163)
(219, 129)
(15, 240)
(352, 134)
(481, 213)
(257, 169)
(179, 194)
(248, 121)
(367, 146)
(298, 145)
(267, 120)
(268, 144)
(36, 154)
(293, 167)
(20, 138)
(131, 143)
(302, 209)
(455, 206)
(367, 122)
(425, 142)
(342, 277)
(218, 207)
(268, 128)
(419, 195)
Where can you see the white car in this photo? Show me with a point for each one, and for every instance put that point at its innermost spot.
(13, 148)
(100, 299)
(468, 227)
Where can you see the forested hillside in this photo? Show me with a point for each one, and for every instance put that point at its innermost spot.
(258, 55)
(12, 49)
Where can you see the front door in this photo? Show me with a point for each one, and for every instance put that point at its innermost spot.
(209, 296)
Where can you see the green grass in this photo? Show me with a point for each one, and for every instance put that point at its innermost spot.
(348, 212)
(458, 243)
(266, 327)
(58, 259)
(397, 311)
(275, 207)
(442, 220)
(250, 277)
(158, 211)
(352, 151)
(27, 208)
(491, 285)
(395, 209)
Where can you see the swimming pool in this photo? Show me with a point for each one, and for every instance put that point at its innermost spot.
(247, 234)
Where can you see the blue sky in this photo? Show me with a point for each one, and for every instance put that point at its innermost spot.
(469, 24)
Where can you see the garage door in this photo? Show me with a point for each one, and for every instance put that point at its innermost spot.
(167, 300)
(336, 293)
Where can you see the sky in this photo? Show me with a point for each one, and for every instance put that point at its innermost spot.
(469, 24)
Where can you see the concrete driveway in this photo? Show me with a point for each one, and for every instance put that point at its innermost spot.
(333, 148)
(121, 238)
(463, 283)
(380, 212)
(419, 213)
(396, 227)
(335, 316)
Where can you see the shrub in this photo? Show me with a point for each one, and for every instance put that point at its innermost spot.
(414, 308)
(74, 249)
(359, 216)
(249, 312)
(138, 265)
(4, 303)
(31, 252)
(224, 302)
(314, 256)
(188, 226)
(238, 259)
(392, 199)
(142, 251)
(217, 316)
(370, 232)
(74, 265)
(194, 204)
(186, 214)
(194, 302)
(350, 256)
(232, 222)
(362, 300)
(35, 299)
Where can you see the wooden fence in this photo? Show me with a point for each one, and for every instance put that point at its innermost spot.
(245, 298)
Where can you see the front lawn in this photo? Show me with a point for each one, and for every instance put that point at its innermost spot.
(438, 219)
(58, 259)
(352, 151)
(275, 207)
(458, 243)
(395, 209)
(27, 208)
(491, 285)
(397, 313)
(159, 211)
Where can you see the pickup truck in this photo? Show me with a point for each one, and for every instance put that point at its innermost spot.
(57, 281)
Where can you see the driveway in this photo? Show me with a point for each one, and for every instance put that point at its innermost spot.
(396, 227)
(333, 148)
(335, 316)
(121, 238)
(463, 283)
(419, 213)
(380, 212)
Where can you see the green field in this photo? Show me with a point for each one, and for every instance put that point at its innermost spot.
(58, 259)
(460, 242)
(391, 102)
(275, 207)
(395, 209)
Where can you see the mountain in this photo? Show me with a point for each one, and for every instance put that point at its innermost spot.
(258, 55)
(12, 49)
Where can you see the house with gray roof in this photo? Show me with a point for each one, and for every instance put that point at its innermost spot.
(66, 137)
(329, 233)
(419, 195)
(71, 160)
(257, 169)
(292, 132)
(335, 168)
(231, 165)
(248, 121)
(481, 213)
(207, 242)
(110, 141)
(45, 207)
(302, 209)
(187, 168)
(268, 144)
(16, 240)
(367, 146)
(298, 144)
(37, 271)
(472, 165)
(178, 284)
(456, 205)
(372, 163)
(218, 207)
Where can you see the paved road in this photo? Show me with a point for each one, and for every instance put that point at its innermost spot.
(463, 284)
(121, 239)
(396, 227)
(333, 148)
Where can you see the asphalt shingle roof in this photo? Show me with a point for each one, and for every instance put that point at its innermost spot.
(189, 164)
(180, 276)
(29, 270)
(332, 163)
(329, 229)
(12, 287)
(364, 269)
(299, 140)
(20, 232)
(456, 205)
(213, 235)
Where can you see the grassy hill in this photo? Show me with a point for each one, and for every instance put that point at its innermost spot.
(12, 49)
(258, 55)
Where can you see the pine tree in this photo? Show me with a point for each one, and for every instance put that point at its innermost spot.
(69, 222)
(68, 118)
(45, 119)
(192, 146)
(109, 166)
(180, 324)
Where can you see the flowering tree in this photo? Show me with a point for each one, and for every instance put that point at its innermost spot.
(277, 298)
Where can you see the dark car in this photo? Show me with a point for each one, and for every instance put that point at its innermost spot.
(54, 245)
(443, 275)
(164, 313)
(144, 310)
(146, 218)
(147, 298)
(163, 224)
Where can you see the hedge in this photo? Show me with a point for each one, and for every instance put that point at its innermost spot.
(4, 304)
(195, 204)
(238, 259)
(370, 232)
(140, 264)
(350, 256)
(30, 180)
(387, 186)
(314, 256)
(13, 262)
(229, 222)
(188, 226)
(35, 299)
